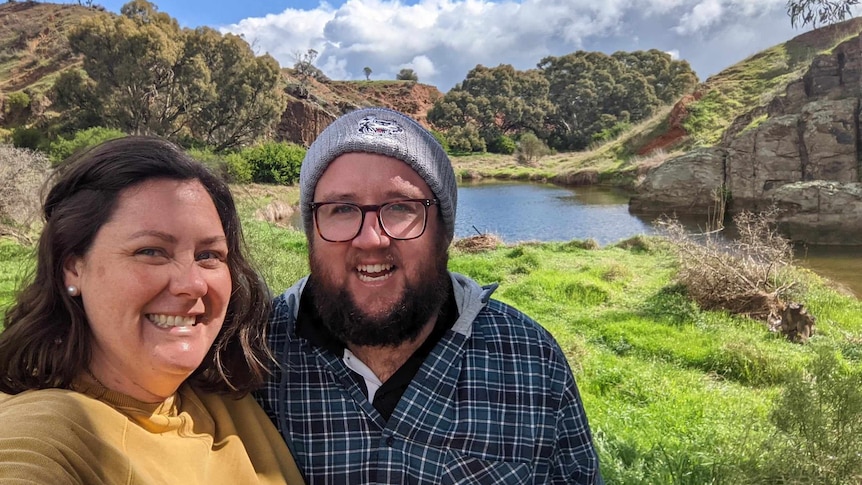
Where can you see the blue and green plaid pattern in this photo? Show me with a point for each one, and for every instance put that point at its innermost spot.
(497, 406)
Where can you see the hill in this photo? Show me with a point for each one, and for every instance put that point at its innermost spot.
(34, 50)
(732, 98)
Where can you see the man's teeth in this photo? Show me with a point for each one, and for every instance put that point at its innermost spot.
(168, 321)
(374, 272)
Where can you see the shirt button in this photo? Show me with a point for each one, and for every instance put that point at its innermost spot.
(390, 441)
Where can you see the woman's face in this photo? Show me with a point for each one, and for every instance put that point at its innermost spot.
(155, 287)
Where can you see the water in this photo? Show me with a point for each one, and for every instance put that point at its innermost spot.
(543, 212)
(517, 211)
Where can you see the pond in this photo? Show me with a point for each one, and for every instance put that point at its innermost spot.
(518, 211)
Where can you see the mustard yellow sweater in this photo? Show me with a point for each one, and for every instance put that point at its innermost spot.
(96, 436)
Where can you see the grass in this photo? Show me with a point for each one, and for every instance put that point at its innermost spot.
(674, 394)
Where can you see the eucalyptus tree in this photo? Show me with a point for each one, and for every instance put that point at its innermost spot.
(593, 92)
(495, 101)
(143, 74)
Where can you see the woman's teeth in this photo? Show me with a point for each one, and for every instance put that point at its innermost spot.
(168, 321)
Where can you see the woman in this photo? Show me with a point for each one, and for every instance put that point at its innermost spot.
(130, 356)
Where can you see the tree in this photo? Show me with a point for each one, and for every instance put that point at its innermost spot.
(407, 75)
(824, 12)
(496, 101)
(367, 71)
(240, 103)
(669, 78)
(593, 92)
(143, 74)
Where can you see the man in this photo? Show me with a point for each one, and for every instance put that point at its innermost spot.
(392, 369)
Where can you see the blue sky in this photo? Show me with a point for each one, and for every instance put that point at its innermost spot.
(441, 40)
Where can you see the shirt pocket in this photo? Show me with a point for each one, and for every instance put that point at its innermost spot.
(462, 469)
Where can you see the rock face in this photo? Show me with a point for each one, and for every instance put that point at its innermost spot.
(684, 184)
(322, 102)
(805, 158)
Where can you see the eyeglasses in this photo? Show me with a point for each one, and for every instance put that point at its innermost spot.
(400, 219)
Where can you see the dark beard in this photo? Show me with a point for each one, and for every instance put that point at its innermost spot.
(350, 324)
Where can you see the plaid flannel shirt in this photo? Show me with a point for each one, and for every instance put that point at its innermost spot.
(494, 402)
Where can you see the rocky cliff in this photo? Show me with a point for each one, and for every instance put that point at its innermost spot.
(800, 152)
(313, 105)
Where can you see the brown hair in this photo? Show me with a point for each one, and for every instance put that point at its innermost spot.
(47, 340)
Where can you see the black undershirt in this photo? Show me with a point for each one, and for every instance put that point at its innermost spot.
(309, 325)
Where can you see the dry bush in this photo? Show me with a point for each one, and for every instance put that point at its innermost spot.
(645, 163)
(276, 212)
(745, 276)
(478, 243)
(22, 174)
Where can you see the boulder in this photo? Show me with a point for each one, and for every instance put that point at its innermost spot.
(687, 184)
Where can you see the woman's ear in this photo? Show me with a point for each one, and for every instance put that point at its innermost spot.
(72, 270)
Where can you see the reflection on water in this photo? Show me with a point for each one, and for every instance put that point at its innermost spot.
(842, 264)
(544, 212)
(518, 211)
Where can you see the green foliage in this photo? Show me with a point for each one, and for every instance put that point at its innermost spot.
(239, 170)
(367, 71)
(16, 262)
(530, 147)
(441, 139)
(502, 144)
(143, 74)
(611, 132)
(709, 116)
(274, 162)
(25, 137)
(496, 101)
(62, 148)
(819, 416)
(17, 106)
(465, 139)
(593, 92)
(407, 75)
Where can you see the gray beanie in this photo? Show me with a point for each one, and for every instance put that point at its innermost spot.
(385, 132)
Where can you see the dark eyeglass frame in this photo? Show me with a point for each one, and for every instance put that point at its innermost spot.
(363, 209)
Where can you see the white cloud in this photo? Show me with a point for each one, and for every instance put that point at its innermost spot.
(702, 16)
(443, 39)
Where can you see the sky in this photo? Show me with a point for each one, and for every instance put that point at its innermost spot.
(442, 40)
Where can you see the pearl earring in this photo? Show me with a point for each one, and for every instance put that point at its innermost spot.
(72, 290)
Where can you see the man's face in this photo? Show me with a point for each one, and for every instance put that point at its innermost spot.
(375, 290)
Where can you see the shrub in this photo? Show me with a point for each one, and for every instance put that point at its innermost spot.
(465, 139)
(63, 148)
(17, 106)
(239, 170)
(441, 138)
(531, 147)
(274, 162)
(819, 417)
(747, 276)
(22, 173)
(407, 75)
(503, 145)
(29, 138)
(212, 160)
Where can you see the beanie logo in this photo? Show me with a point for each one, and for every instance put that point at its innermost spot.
(371, 125)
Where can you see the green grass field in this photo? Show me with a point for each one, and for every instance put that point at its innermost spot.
(675, 395)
